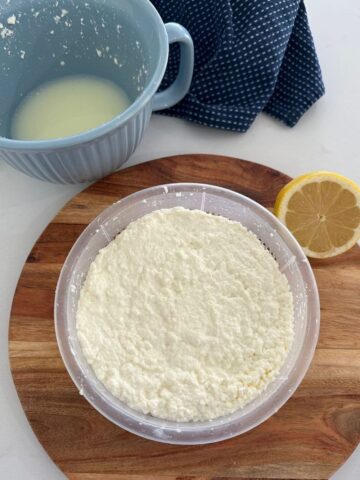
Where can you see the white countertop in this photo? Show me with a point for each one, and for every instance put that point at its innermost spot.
(326, 138)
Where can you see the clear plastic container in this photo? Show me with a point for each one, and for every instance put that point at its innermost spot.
(274, 236)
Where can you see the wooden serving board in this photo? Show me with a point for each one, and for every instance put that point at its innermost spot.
(309, 438)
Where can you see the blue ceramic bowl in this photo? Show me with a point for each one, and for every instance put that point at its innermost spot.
(122, 40)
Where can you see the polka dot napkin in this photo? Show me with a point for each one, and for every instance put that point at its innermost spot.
(250, 56)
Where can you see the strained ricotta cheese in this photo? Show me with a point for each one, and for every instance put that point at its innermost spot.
(185, 315)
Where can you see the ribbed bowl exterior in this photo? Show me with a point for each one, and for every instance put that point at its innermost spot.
(85, 161)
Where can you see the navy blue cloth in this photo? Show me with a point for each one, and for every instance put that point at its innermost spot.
(250, 56)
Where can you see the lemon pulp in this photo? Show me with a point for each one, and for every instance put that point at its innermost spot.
(322, 210)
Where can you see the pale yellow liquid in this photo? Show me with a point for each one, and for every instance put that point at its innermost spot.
(67, 106)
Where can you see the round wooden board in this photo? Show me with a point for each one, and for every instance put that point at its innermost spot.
(309, 438)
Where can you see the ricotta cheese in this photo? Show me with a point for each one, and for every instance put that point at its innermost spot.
(185, 316)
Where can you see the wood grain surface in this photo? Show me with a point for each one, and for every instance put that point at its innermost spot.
(309, 438)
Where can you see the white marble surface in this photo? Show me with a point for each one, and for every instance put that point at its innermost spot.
(326, 138)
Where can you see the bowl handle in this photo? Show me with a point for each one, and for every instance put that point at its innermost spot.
(173, 94)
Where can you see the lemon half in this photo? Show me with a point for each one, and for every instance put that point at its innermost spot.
(322, 210)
